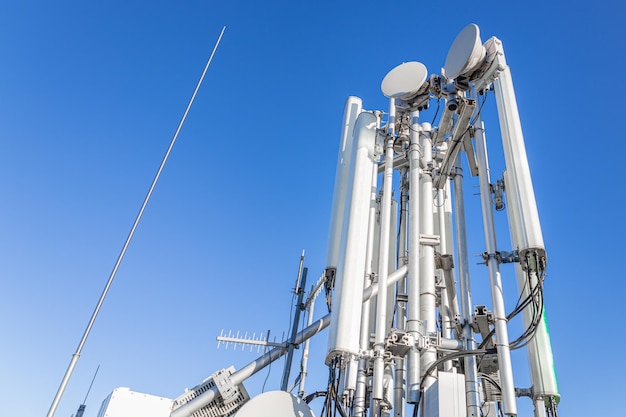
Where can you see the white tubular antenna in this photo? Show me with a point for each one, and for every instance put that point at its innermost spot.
(81, 344)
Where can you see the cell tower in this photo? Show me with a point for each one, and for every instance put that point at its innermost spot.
(428, 351)
(405, 337)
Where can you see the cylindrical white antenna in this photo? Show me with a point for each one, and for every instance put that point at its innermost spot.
(352, 110)
(343, 337)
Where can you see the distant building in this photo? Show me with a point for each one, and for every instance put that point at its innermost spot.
(123, 402)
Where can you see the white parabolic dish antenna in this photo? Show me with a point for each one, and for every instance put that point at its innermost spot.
(466, 53)
(275, 404)
(404, 81)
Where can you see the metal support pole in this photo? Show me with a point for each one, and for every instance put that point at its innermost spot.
(361, 385)
(472, 392)
(497, 293)
(400, 377)
(94, 315)
(428, 296)
(413, 323)
(383, 272)
(299, 290)
(305, 351)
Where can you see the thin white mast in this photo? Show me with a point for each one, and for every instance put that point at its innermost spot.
(81, 344)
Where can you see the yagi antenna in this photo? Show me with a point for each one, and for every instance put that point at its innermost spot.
(466, 53)
(404, 81)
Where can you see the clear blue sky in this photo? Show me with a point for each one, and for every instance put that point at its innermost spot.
(90, 95)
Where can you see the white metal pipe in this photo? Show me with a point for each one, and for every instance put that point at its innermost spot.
(361, 387)
(352, 110)
(451, 344)
(472, 390)
(540, 407)
(428, 296)
(400, 377)
(444, 277)
(372, 290)
(343, 335)
(447, 245)
(383, 272)
(391, 264)
(120, 257)
(413, 324)
(305, 350)
(497, 293)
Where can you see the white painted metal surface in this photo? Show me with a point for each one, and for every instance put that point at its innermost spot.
(352, 110)
(466, 52)
(275, 404)
(346, 312)
(405, 80)
(123, 402)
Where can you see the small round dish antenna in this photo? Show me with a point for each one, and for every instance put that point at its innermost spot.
(275, 404)
(404, 81)
(466, 53)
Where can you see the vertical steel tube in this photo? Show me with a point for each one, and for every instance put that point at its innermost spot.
(299, 290)
(305, 350)
(400, 378)
(383, 272)
(413, 324)
(497, 293)
(447, 246)
(361, 385)
(428, 296)
(448, 306)
(540, 408)
(472, 392)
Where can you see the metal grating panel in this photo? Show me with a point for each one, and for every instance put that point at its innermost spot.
(219, 407)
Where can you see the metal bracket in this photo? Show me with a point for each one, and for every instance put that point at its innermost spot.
(497, 64)
(225, 386)
(481, 324)
(429, 240)
(497, 190)
(398, 343)
(445, 262)
(501, 256)
(533, 259)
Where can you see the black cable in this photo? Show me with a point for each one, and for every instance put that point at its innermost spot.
(436, 111)
(449, 357)
(491, 381)
(314, 395)
(526, 337)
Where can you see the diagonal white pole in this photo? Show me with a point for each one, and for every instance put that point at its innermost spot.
(76, 355)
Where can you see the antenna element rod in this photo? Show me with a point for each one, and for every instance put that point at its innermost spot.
(76, 355)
